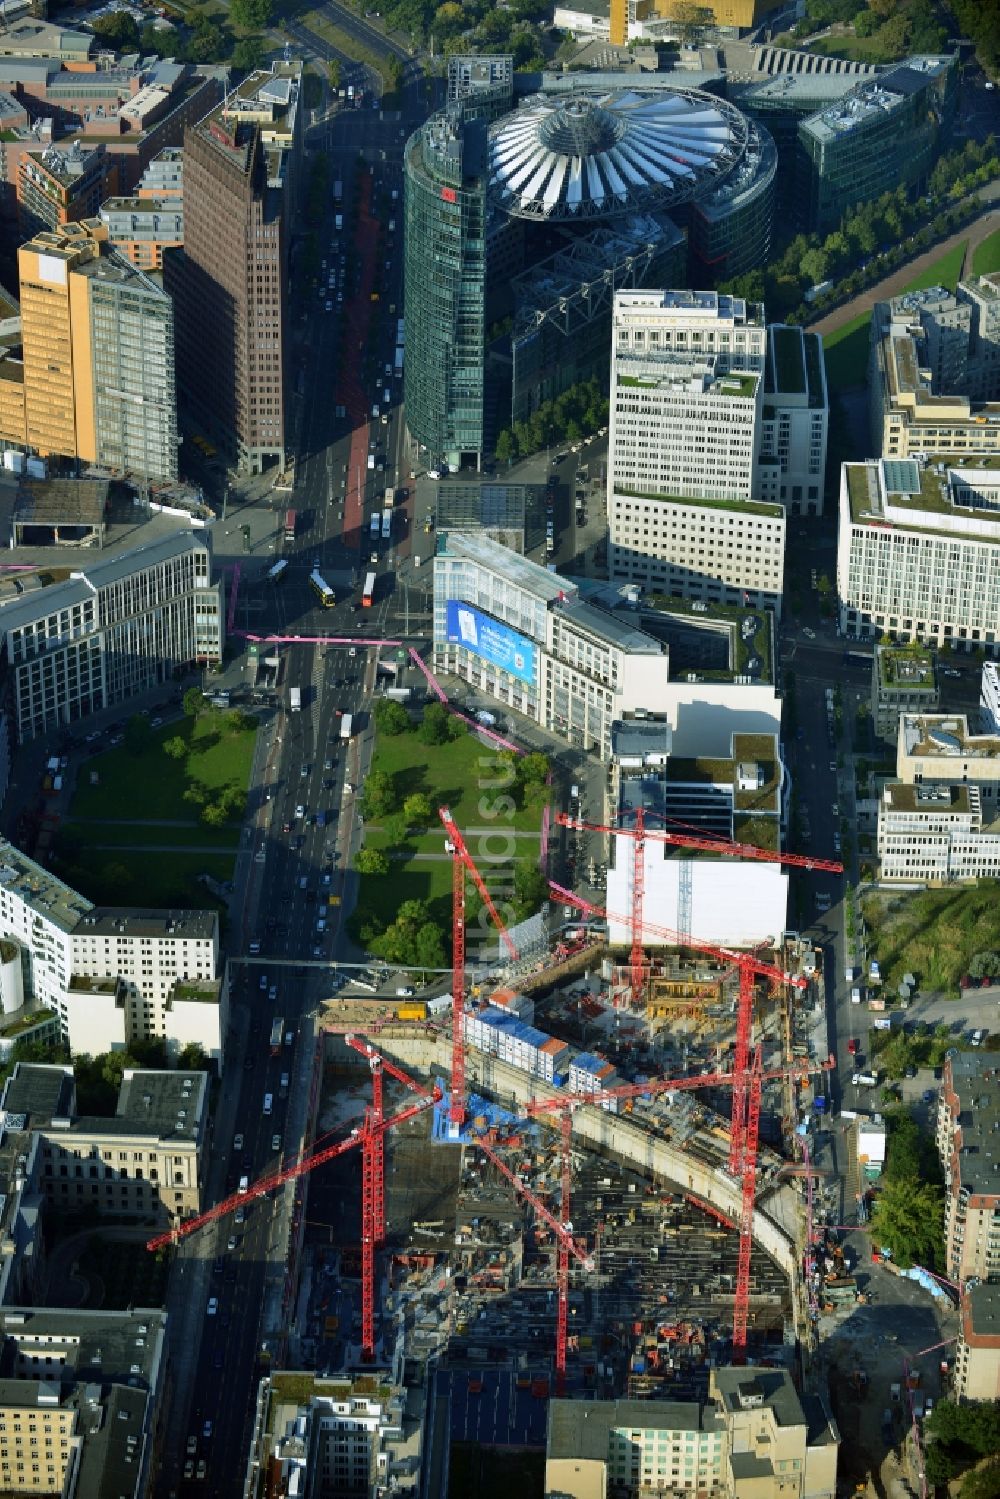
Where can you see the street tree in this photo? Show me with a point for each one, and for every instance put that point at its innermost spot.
(194, 702)
(391, 717)
(379, 795)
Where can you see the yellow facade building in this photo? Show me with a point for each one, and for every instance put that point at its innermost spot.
(97, 380)
(740, 14)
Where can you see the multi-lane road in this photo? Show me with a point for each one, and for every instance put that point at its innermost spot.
(303, 820)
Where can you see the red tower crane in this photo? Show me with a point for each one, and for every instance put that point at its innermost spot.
(640, 833)
(369, 1135)
(462, 860)
(749, 967)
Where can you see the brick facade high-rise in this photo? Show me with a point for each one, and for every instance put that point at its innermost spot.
(230, 282)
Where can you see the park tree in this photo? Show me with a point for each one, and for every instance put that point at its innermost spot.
(982, 1482)
(391, 717)
(434, 726)
(371, 861)
(908, 1220)
(194, 702)
(974, 1429)
(250, 15)
(417, 810)
(196, 795)
(395, 829)
(162, 41)
(248, 54)
(379, 795)
(531, 888)
(533, 769)
(117, 29)
(214, 815)
(176, 747)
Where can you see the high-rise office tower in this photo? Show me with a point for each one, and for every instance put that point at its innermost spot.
(230, 282)
(444, 189)
(98, 357)
(686, 385)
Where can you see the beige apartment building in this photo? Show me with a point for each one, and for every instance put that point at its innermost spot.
(145, 1162)
(967, 1125)
(935, 372)
(98, 358)
(977, 1357)
(754, 1438)
(80, 1401)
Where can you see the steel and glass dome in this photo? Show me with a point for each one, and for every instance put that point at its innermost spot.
(593, 154)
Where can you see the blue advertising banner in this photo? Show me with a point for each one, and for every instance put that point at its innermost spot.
(493, 641)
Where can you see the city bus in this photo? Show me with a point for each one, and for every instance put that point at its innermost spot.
(374, 525)
(289, 525)
(277, 1030)
(277, 572)
(386, 523)
(322, 590)
(368, 596)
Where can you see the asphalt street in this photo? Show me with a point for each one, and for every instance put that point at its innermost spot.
(302, 825)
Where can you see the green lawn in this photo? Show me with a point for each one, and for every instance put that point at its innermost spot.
(134, 876)
(460, 774)
(855, 48)
(382, 895)
(846, 350)
(126, 835)
(151, 785)
(986, 257)
(944, 271)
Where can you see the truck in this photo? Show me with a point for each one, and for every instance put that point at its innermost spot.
(338, 192)
(277, 1033)
(413, 1009)
(294, 699)
(399, 363)
(338, 222)
(345, 726)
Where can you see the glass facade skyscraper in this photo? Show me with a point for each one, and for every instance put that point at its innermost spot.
(445, 286)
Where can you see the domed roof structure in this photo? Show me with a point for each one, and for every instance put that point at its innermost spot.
(593, 154)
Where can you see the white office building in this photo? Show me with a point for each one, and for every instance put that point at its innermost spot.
(740, 796)
(112, 974)
(989, 697)
(935, 834)
(794, 421)
(687, 379)
(575, 658)
(940, 749)
(118, 626)
(918, 552)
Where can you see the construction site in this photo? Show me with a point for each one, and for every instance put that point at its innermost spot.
(611, 1207)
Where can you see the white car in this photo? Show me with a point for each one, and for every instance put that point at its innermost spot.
(213, 1306)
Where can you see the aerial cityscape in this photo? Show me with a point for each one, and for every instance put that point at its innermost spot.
(500, 749)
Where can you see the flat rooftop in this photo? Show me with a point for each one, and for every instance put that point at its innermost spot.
(692, 305)
(899, 796)
(518, 570)
(41, 890)
(927, 496)
(61, 502)
(976, 1082)
(945, 736)
(138, 921)
(165, 1103)
(38, 1092)
(94, 1347)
